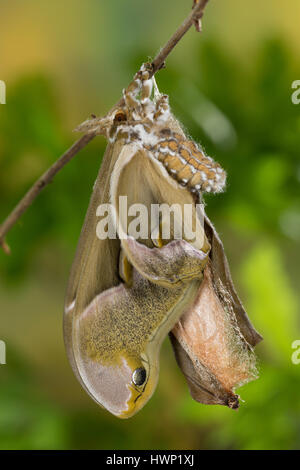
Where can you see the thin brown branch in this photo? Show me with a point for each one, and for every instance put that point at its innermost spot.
(158, 63)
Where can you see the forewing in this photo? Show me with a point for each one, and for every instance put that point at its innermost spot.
(95, 266)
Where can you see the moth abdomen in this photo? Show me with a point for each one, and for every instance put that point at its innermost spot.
(188, 164)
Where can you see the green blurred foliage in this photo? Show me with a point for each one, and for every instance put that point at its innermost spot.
(245, 119)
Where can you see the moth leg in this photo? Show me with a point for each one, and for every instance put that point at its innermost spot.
(146, 87)
(125, 268)
(130, 95)
(147, 83)
(137, 95)
(162, 108)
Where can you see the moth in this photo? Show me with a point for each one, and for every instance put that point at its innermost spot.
(124, 295)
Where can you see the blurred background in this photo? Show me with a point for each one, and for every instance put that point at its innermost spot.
(231, 89)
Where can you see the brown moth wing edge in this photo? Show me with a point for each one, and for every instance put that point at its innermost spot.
(217, 395)
(91, 254)
(198, 378)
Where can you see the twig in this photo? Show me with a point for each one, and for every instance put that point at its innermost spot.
(158, 63)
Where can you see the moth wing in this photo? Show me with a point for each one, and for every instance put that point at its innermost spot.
(221, 273)
(146, 184)
(203, 385)
(219, 359)
(95, 266)
(187, 341)
(95, 270)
